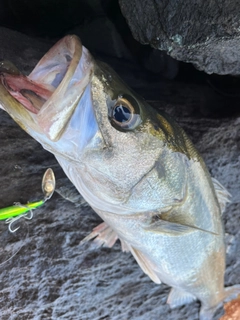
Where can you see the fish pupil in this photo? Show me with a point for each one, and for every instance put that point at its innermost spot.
(121, 113)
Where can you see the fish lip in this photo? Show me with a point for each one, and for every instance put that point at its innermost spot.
(56, 111)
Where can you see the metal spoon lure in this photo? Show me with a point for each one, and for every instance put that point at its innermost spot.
(17, 211)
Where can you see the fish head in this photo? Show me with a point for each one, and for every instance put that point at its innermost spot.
(106, 137)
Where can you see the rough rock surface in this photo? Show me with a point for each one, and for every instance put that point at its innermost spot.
(205, 33)
(52, 276)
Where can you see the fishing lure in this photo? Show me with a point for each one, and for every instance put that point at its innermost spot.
(17, 211)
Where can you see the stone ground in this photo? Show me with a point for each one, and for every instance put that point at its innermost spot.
(52, 276)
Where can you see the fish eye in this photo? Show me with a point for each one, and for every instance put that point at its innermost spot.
(124, 116)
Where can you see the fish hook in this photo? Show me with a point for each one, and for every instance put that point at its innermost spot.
(11, 221)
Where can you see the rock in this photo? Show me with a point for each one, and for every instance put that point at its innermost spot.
(205, 33)
(100, 35)
(19, 51)
(52, 276)
(47, 18)
(160, 63)
(153, 60)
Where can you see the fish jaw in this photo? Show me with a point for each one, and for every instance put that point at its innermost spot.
(44, 102)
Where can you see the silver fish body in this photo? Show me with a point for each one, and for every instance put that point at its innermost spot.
(134, 166)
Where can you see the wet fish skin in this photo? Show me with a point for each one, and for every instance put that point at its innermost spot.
(144, 177)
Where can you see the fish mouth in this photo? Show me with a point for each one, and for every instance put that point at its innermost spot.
(45, 100)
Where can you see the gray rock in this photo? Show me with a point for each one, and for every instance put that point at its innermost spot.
(18, 49)
(205, 33)
(52, 276)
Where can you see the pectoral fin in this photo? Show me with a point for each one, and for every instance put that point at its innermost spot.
(222, 194)
(145, 264)
(172, 228)
(103, 235)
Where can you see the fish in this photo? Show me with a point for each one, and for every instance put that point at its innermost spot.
(134, 165)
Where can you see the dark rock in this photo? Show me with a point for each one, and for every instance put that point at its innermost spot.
(100, 36)
(155, 61)
(52, 276)
(205, 33)
(19, 51)
(160, 63)
(46, 18)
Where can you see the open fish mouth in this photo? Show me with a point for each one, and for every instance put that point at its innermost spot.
(45, 100)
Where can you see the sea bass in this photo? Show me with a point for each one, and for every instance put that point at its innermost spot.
(134, 166)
